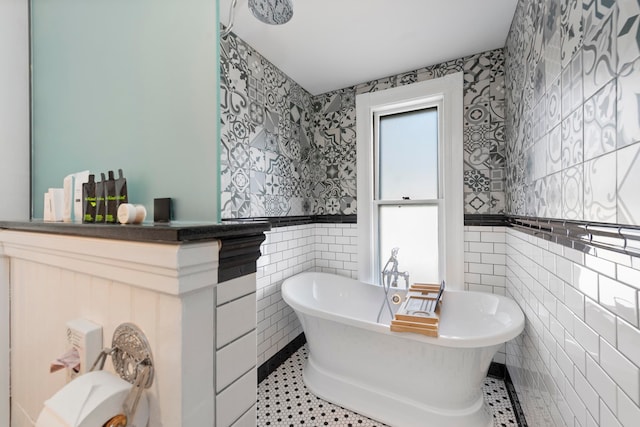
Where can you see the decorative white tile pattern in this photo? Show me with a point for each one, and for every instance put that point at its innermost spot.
(599, 122)
(596, 100)
(628, 178)
(571, 26)
(572, 366)
(600, 189)
(572, 139)
(628, 43)
(285, 152)
(572, 193)
(283, 400)
(599, 48)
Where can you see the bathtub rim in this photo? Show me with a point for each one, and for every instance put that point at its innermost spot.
(444, 341)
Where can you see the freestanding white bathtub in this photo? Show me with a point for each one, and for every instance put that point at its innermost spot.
(402, 379)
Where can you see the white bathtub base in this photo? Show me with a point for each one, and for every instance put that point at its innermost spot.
(393, 410)
(402, 379)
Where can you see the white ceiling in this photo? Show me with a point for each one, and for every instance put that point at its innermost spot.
(332, 44)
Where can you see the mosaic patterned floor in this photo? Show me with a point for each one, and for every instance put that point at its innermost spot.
(283, 400)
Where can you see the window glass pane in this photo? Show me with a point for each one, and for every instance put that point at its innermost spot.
(408, 155)
(413, 229)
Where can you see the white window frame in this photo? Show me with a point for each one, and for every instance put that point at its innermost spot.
(446, 93)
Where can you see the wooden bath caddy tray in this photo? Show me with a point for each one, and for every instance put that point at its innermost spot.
(420, 312)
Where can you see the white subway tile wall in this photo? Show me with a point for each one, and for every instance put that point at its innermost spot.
(333, 248)
(485, 264)
(484, 259)
(287, 251)
(578, 360)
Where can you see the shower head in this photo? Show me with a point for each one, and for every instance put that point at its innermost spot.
(273, 12)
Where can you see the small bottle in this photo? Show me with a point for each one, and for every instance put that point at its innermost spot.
(121, 190)
(100, 206)
(111, 201)
(89, 200)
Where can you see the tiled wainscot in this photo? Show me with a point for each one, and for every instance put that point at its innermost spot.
(290, 250)
(578, 360)
(484, 259)
(332, 248)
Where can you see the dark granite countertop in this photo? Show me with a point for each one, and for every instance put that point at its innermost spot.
(173, 232)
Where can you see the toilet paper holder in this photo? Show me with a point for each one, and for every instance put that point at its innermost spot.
(132, 360)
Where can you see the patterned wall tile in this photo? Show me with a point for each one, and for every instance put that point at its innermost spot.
(552, 42)
(572, 94)
(539, 119)
(498, 201)
(483, 133)
(554, 104)
(571, 29)
(628, 106)
(477, 180)
(554, 151)
(628, 32)
(477, 114)
(600, 189)
(265, 135)
(600, 122)
(540, 198)
(529, 165)
(553, 201)
(572, 193)
(285, 152)
(540, 158)
(584, 123)
(497, 180)
(530, 200)
(477, 202)
(599, 49)
(628, 179)
(595, 13)
(572, 139)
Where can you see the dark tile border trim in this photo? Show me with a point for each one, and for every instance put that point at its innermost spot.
(286, 221)
(583, 236)
(485, 220)
(238, 255)
(515, 402)
(279, 358)
(497, 370)
(500, 371)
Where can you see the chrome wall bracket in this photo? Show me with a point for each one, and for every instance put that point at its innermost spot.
(131, 354)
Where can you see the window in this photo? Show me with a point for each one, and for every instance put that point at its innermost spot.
(410, 180)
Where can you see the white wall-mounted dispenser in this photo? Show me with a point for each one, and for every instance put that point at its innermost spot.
(100, 398)
(86, 337)
(91, 400)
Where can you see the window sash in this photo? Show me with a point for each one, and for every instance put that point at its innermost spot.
(436, 102)
(377, 201)
(413, 231)
(378, 116)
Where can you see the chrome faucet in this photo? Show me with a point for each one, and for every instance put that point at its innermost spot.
(391, 274)
(389, 278)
